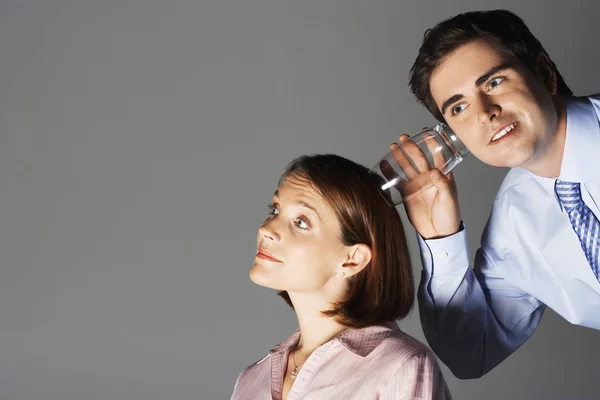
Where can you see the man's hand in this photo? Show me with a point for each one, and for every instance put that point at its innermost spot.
(433, 211)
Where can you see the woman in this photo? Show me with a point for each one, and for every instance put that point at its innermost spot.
(338, 254)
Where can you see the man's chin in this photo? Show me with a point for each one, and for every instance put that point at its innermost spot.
(513, 159)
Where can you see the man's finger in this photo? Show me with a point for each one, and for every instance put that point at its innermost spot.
(388, 171)
(437, 152)
(403, 137)
(404, 161)
(416, 156)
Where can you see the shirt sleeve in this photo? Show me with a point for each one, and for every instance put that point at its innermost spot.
(418, 378)
(472, 318)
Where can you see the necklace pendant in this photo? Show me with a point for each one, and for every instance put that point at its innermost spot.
(294, 373)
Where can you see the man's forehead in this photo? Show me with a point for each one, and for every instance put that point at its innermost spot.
(461, 68)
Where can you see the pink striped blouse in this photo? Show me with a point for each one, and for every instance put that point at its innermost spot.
(376, 362)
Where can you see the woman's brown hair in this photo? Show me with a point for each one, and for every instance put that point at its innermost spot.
(384, 290)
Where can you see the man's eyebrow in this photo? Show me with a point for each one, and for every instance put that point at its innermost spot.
(480, 81)
(451, 101)
(483, 78)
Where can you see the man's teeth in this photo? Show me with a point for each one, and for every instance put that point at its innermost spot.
(504, 131)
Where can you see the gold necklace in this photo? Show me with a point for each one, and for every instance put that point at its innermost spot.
(294, 373)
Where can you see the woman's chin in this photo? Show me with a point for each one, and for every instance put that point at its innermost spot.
(261, 277)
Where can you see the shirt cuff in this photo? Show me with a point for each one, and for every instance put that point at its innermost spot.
(445, 255)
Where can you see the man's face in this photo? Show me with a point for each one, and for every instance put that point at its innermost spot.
(500, 110)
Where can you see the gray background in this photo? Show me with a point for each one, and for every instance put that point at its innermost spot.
(140, 142)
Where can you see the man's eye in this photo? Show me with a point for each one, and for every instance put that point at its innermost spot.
(495, 82)
(457, 109)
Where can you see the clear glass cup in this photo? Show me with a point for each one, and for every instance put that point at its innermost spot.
(403, 171)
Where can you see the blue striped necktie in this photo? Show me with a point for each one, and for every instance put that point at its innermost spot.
(583, 221)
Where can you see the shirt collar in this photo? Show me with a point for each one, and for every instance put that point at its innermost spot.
(288, 344)
(580, 161)
(360, 341)
(363, 341)
(581, 157)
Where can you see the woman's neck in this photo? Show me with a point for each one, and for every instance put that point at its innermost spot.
(315, 328)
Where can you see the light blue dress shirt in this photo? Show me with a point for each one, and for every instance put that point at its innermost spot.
(530, 257)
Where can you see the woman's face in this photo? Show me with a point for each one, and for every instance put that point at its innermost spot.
(299, 246)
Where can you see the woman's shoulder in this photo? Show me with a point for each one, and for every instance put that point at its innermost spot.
(404, 346)
(256, 367)
(256, 373)
(252, 380)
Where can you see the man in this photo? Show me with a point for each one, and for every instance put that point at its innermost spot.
(486, 76)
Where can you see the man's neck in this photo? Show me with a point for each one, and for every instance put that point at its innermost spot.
(548, 161)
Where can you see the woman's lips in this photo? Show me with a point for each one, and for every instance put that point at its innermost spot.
(264, 255)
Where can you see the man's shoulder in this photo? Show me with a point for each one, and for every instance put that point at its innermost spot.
(593, 97)
(514, 180)
(520, 194)
(595, 100)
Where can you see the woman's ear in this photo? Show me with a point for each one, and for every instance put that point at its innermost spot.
(358, 257)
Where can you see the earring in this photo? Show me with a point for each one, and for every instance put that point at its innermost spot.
(342, 273)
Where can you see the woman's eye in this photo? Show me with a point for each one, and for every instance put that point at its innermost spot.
(273, 210)
(302, 224)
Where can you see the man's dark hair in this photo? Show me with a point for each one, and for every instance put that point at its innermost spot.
(501, 27)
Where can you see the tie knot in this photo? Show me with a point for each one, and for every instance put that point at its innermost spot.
(569, 194)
